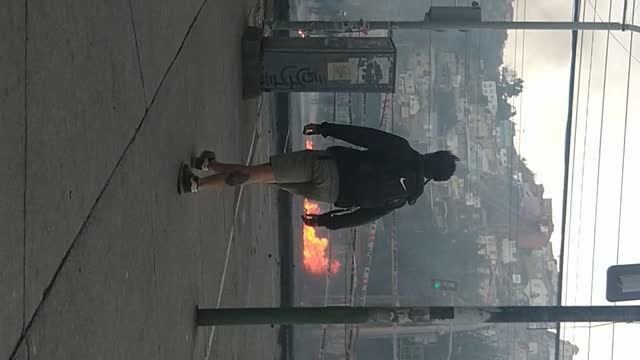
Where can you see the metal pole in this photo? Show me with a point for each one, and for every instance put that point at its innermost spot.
(353, 26)
(417, 315)
(450, 335)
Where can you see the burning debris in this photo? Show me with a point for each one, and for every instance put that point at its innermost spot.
(315, 254)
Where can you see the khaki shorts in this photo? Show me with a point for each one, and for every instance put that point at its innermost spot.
(310, 173)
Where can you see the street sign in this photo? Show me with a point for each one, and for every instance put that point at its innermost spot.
(448, 285)
(623, 282)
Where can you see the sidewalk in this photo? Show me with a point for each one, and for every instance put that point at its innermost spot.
(99, 257)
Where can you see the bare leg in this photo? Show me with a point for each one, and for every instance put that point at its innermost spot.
(226, 168)
(237, 175)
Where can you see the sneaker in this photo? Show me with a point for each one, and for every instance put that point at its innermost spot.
(203, 161)
(187, 181)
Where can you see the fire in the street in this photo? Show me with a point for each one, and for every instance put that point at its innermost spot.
(315, 248)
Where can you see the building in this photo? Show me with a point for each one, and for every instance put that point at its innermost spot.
(489, 90)
(447, 69)
(567, 350)
(538, 293)
(505, 130)
(533, 345)
(509, 251)
(420, 62)
(488, 247)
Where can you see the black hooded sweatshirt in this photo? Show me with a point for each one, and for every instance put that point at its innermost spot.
(385, 175)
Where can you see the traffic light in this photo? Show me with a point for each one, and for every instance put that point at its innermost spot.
(440, 284)
(623, 283)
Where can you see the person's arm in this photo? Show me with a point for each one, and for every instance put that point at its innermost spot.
(352, 219)
(365, 137)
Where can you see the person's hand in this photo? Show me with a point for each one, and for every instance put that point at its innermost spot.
(310, 219)
(310, 129)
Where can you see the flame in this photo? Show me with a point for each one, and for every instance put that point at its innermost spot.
(315, 247)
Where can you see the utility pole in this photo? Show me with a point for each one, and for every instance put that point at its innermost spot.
(416, 315)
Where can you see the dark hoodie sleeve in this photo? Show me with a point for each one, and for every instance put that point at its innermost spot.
(358, 217)
(365, 137)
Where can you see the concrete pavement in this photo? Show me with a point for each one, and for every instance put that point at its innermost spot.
(99, 256)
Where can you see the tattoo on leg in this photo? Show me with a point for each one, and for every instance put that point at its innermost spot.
(236, 178)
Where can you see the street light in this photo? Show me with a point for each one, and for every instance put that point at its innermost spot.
(449, 18)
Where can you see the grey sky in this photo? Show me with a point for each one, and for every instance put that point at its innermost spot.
(544, 111)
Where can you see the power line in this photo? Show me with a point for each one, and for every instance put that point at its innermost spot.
(574, 39)
(624, 13)
(624, 143)
(613, 35)
(510, 175)
(584, 152)
(573, 175)
(515, 64)
(515, 45)
(573, 153)
(593, 326)
(524, 18)
(595, 220)
(624, 153)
